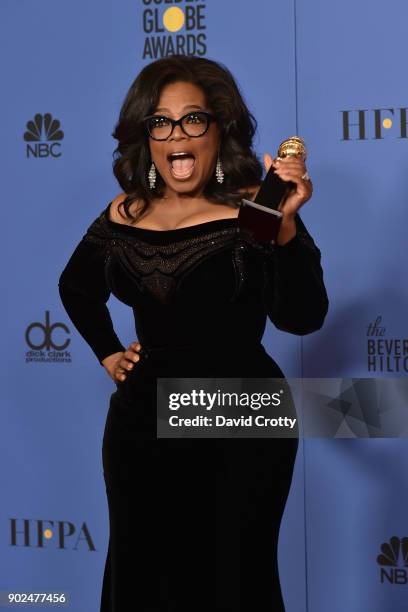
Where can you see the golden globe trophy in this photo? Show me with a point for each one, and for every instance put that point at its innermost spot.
(261, 218)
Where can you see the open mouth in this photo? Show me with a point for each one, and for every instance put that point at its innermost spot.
(181, 164)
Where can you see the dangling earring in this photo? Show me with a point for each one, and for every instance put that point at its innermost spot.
(218, 171)
(152, 176)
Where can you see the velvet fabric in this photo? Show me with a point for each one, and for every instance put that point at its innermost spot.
(194, 523)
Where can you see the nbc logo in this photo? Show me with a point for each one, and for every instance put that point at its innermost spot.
(394, 556)
(42, 136)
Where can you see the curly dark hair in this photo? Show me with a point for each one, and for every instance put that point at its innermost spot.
(237, 125)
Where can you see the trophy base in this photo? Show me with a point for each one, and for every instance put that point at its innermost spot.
(260, 222)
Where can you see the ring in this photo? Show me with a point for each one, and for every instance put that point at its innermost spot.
(305, 177)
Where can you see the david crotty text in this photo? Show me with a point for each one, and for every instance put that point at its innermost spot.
(222, 421)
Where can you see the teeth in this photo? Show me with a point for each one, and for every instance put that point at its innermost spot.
(179, 154)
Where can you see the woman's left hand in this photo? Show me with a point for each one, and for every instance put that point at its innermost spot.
(291, 169)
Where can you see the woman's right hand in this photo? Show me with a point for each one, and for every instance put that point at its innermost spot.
(120, 364)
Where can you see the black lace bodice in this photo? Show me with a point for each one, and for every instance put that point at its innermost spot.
(205, 282)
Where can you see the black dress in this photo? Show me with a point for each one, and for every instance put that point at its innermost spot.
(194, 523)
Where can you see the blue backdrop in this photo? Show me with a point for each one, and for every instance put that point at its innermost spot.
(332, 72)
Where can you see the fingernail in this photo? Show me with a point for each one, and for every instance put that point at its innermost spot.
(130, 366)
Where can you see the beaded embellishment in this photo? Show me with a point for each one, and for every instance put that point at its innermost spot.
(159, 269)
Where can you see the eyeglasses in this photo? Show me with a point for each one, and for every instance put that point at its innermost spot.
(193, 124)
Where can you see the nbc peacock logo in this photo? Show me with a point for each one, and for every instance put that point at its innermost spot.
(42, 135)
(394, 557)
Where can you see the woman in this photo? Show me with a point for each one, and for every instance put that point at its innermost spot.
(193, 522)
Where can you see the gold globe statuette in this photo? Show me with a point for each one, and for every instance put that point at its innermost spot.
(293, 146)
(262, 218)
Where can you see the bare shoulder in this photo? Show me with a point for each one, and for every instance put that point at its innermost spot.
(116, 213)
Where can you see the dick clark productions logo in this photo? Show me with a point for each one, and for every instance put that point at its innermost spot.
(46, 343)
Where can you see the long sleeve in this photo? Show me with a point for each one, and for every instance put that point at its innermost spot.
(295, 294)
(84, 293)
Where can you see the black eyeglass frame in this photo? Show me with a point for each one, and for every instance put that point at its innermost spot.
(174, 122)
